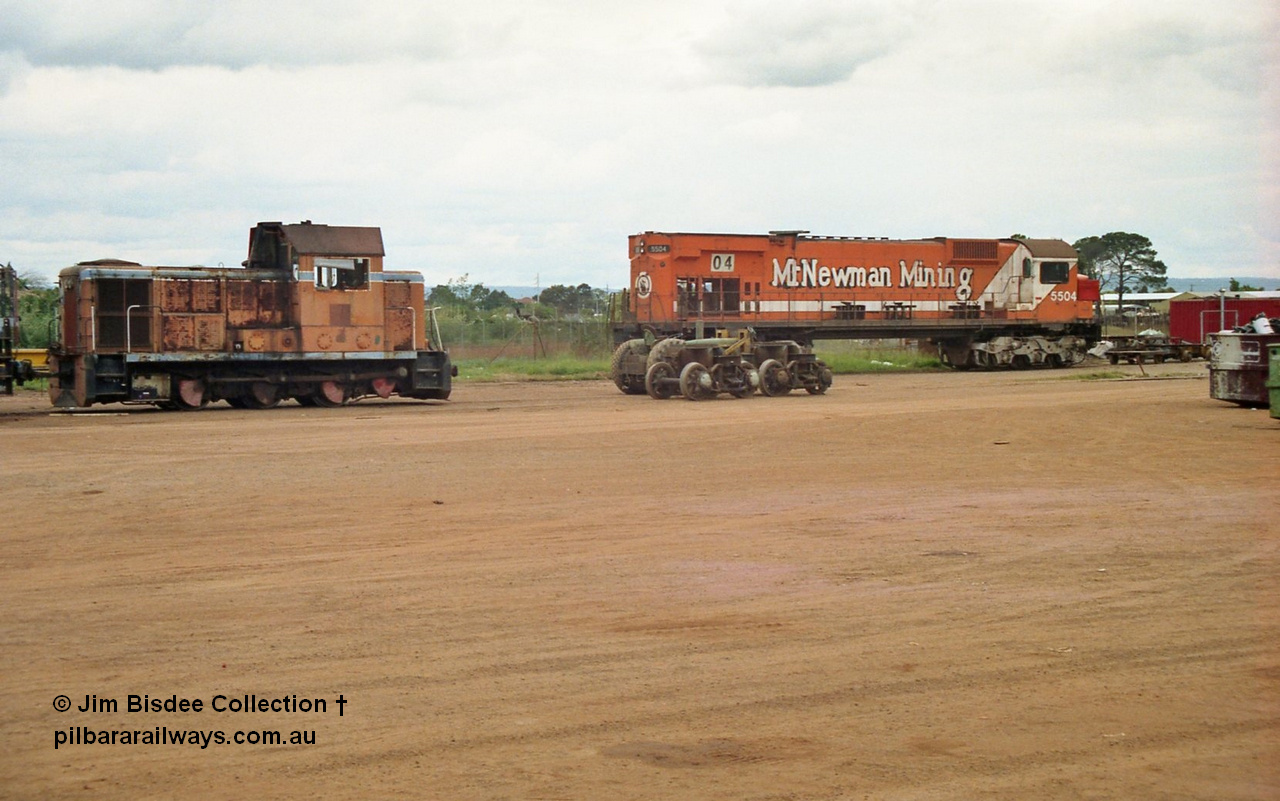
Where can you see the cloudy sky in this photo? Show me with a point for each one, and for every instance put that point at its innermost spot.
(517, 142)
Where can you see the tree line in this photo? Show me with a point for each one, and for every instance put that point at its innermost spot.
(459, 297)
(37, 307)
(1125, 263)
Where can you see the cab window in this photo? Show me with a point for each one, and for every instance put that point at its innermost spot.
(1054, 272)
(342, 273)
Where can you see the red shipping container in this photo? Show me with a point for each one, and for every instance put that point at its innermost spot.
(1193, 319)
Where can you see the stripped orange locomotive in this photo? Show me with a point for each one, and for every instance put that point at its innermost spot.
(312, 315)
(985, 302)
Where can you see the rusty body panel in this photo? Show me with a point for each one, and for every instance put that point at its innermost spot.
(308, 297)
(788, 286)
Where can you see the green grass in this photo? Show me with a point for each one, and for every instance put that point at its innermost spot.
(1105, 375)
(878, 360)
(556, 368)
(1095, 375)
(34, 385)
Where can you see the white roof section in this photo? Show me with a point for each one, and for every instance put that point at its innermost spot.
(1264, 295)
(1141, 297)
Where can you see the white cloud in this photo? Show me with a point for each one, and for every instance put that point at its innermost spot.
(808, 44)
(154, 34)
(1219, 47)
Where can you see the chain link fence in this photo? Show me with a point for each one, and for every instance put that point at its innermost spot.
(1131, 323)
(522, 338)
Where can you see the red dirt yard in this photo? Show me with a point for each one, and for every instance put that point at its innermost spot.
(934, 586)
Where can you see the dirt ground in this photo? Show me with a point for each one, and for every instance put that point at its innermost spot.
(934, 586)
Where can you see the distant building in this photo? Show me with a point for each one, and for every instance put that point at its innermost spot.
(1136, 302)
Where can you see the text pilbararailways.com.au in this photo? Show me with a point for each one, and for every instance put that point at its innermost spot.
(163, 735)
(121, 733)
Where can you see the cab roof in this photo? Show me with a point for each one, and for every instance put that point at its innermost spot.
(311, 239)
(1049, 248)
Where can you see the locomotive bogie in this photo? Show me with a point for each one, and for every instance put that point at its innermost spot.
(697, 369)
(734, 366)
(1016, 352)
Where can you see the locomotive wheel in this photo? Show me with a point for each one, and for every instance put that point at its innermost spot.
(794, 371)
(667, 350)
(695, 382)
(750, 382)
(655, 380)
(823, 382)
(262, 395)
(628, 383)
(329, 394)
(775, 381)
(383, 387)
(191, 395)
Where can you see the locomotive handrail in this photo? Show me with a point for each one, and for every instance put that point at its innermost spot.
(834, 310)
(128, 325)
(435, 326)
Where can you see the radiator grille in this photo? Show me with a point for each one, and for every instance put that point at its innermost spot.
(973, 250)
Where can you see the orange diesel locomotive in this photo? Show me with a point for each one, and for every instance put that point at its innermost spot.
(984, 302)
(311, 316)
